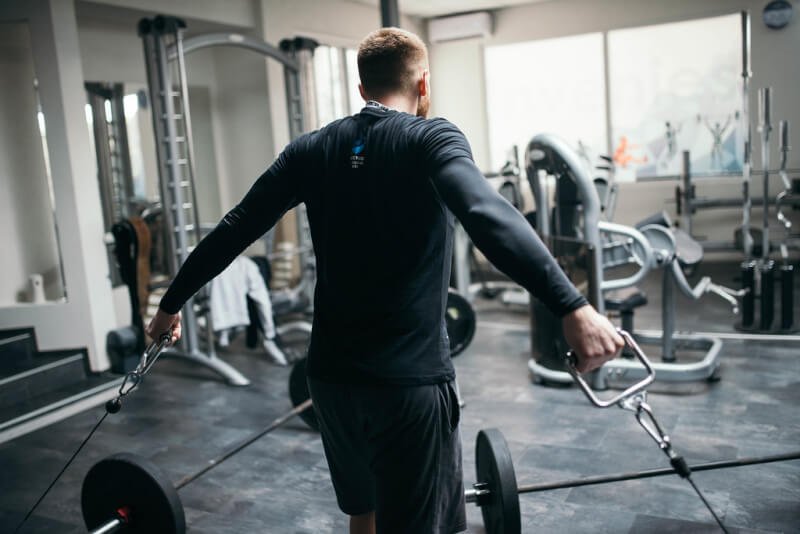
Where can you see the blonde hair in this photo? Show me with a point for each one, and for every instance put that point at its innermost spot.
(389, 61)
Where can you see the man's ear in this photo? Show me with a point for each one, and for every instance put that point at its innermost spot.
(361, 92)
(423, 84)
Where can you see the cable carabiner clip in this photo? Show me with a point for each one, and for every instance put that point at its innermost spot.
(129, 383)
(152, 352)
(647, 419)
(134, 378)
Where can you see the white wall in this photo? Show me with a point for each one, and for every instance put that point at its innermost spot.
(205, 162)
(457, 74)
(458, 92)
(228, 12)
(243, 121)
(110, 49)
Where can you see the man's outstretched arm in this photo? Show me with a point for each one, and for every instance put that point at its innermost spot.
(506, 238)
(272, 195)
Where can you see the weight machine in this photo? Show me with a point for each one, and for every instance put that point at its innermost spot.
(164, 50)
(588, 248)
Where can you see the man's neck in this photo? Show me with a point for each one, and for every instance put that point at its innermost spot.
(399, 103)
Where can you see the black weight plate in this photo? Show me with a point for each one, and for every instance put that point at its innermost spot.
(128, 481)
(298, 393)
(460, 321)
(494, 467)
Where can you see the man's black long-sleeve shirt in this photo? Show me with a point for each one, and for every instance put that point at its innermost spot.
(381, 188)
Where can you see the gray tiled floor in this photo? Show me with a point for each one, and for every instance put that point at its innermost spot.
(182, 417)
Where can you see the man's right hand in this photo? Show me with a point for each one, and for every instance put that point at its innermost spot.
(592, 337)
(163, 322)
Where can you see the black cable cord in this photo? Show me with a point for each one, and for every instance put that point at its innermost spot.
(710, 509)
(53, 483)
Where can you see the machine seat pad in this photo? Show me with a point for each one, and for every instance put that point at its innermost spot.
(625, 299)
(687, 249)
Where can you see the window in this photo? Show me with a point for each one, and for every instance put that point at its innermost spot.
(671, 87)
(336, 83)
(555, 86)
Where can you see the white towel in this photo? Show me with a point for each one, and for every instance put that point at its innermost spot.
(229, 292)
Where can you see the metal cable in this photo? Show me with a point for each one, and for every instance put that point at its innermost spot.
(53, 483)
(708, 506)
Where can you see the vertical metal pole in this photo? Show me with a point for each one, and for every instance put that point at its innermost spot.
(187, 128)
(183, 85)
(765, 127)
(686, 180)
(668, 311)
(748, 273)
(767, 294)
(173, 163)
(390, 14)
(104, 172)
(121, 134)
(747, 238)
(607, 82)
(342, 57)
(156, 85)
(307, 86)
(300, 87)
(174, 182)
(160, 83)
(461, 261)
(787, 296)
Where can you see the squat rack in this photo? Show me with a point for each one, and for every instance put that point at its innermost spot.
(164, 50)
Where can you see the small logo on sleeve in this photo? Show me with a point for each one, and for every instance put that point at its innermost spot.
(356, 158)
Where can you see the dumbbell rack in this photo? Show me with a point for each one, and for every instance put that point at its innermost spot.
(758, 274)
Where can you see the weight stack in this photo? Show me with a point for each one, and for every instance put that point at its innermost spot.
(787, 297)
(748, 272)
(767, 295)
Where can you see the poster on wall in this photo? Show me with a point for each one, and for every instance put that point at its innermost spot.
(674, 88)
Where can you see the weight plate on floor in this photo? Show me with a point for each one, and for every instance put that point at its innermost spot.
(460, 321)
(298, 393)
(128, 484)
(493, 466)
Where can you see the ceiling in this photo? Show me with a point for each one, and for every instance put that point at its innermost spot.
(436, 8)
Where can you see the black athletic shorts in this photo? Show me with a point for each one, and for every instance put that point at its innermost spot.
(395, 450)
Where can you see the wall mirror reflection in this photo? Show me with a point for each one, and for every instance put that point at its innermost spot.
(119, 119)
(32, 267)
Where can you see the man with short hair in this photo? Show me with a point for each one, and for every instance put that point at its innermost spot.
(381, 189)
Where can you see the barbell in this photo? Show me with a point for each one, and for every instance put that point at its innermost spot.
(126, 491)
(497, 493)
